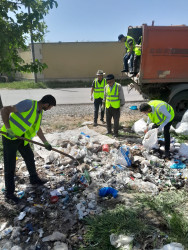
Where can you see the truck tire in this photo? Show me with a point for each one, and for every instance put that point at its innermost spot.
(180, 104)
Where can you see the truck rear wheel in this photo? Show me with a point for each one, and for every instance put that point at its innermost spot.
(180, 104)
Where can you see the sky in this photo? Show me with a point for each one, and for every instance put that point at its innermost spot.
(104, 20)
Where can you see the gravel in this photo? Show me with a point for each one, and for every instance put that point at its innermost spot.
(84, 109)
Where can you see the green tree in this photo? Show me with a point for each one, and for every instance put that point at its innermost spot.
(18, 19)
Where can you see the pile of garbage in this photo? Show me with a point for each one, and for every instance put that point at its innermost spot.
(50, 216)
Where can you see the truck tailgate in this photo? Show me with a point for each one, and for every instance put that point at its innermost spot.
(164, 54)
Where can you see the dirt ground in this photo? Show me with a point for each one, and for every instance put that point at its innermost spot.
(66, 117)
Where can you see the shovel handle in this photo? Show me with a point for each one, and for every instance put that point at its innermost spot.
(42, 145)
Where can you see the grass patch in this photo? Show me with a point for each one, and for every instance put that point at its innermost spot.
(119, 221)
(171, 206)
(180, 138)
(167, 208)
(52, 84)
(23, 85)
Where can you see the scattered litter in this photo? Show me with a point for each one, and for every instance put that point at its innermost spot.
(21, 215)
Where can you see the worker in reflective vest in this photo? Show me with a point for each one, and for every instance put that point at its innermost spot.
(161, 114)
(97, 90)
(22, 119)
(130, 49)
(137, 57)
(113, 100)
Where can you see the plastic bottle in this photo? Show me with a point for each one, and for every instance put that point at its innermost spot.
(86, 175)
(83, 181)
(108, 190)
(105, 148)
(74, 189)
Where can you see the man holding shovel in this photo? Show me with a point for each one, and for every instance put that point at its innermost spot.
(22, 119)
(162, 115)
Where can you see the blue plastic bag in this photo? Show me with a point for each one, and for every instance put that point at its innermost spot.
(178, 164)
(108, 190)
(133, 108)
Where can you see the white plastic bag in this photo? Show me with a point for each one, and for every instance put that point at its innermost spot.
(182, 127)
(185, 117)
(139, 126)
(172, 246)
(150, 139)
(183, 150)
(123, 156)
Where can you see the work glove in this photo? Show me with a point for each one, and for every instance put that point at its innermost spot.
(10, 133)
(91, 98)
(48, 146)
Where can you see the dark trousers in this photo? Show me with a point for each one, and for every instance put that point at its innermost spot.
(166, 135)
(136, 64)
(10, 148)
(97, 104)
(125, 60)
(115, 113)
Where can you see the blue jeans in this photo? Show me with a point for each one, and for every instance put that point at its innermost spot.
(125, 60)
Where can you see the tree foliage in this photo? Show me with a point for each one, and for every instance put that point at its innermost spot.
(17, 19)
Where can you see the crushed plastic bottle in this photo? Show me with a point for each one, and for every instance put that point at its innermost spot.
(74, 189)
(107, 191)
(83, 181)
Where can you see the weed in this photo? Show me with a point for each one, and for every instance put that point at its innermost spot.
(180, 138)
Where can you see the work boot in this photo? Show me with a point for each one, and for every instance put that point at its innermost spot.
(35, 180)
(95, 124)
(109, 133)
(167, 155)
(12, 197)
(103, 122)
(124, 70)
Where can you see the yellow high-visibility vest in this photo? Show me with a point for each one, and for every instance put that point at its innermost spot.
(157, 117)
(99, 88)
(138, 50)
(25, 123)
(127, 44)
(112, 97)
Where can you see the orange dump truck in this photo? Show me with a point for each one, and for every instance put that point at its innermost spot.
(164, 64)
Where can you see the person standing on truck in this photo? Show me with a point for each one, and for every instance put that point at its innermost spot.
(137, 57)
(113, 100)
(161, 114)
(22, 119)
(130, 48)
(97, 88)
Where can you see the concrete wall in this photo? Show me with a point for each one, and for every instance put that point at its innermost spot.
(79, 60)
(27, 57)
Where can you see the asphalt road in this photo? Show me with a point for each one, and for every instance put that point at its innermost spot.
(63, 96)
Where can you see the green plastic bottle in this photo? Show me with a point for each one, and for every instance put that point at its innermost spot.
(87, 177)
